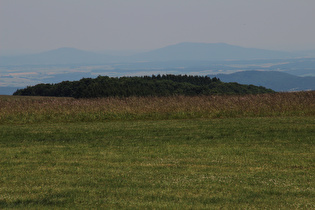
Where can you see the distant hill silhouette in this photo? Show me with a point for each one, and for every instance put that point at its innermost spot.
(179, 52)
(58, 56)
(210, 52)
(275, 80)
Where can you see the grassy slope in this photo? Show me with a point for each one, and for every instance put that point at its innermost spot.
(265, 162)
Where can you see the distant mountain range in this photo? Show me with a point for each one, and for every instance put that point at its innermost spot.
(178, 52)
(59, 56)
(182, 58)
(210, 52)
(275, 80)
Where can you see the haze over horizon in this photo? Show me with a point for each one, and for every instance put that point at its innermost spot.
(36, 26)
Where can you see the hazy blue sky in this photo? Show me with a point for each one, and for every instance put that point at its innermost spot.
(38, 25)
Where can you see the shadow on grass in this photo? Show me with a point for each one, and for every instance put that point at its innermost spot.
(56, 200)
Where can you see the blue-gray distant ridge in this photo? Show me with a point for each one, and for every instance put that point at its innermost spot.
(275, 80)
(187, 51)
(60, 56)
(210, 52)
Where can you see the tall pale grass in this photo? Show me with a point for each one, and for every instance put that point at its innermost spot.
(19, 109)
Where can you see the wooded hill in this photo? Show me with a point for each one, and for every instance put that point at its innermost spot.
(155, 85)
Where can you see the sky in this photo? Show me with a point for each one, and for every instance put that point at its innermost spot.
(100, 25)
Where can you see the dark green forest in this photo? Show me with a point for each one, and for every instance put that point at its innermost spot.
(155, 85)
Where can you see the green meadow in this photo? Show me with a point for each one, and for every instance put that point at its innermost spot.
(230, 152)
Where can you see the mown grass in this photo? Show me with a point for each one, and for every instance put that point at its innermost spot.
(205, 162)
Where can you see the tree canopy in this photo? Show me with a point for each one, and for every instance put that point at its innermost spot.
(155, 85)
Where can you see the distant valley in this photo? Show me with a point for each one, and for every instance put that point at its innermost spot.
(217, 59)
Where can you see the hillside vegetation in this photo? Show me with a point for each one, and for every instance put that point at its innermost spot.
(160, 85)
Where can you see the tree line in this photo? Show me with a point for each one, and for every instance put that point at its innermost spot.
(155, 85)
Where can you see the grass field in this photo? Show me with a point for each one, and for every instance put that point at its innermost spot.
(26, 110)
(178, 152)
